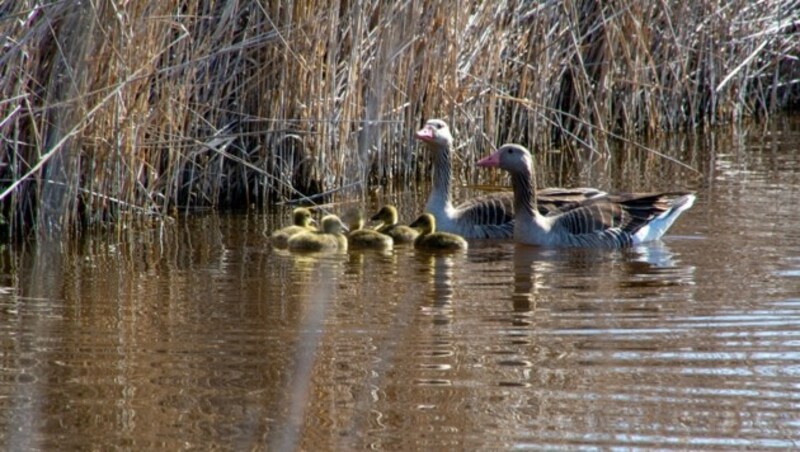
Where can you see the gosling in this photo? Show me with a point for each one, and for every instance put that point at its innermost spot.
(431, 240)
(400, 233)
(330, 238)
(360, 238)
(301, 221)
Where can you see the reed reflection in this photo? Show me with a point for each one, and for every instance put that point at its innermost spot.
(28, 394)
(322, 271)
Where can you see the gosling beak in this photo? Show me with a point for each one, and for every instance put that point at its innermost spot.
(375, 222)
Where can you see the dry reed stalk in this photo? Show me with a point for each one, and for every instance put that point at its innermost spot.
(142, 107)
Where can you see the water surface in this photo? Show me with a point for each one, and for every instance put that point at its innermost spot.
(197, 334)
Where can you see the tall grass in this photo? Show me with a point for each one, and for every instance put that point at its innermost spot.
(131, 109)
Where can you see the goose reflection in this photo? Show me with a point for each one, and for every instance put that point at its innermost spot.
(544, 275)
(523, 297)
(593, 276)
(655, 254)
(655, 265)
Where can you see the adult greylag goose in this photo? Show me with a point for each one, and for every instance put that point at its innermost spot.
(330, 238)
(361, 238)
(301, 221)
(430, 239)
(489, 216)
(388, 224)
(608, 221)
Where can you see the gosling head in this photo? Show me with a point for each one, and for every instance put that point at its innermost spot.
(354, 218)
(435, 134)
(302, 217)
(331, 224)
(425, 224)
(387, 215)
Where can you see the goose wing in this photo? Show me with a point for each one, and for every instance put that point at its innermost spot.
(557, 199)
(570, 194)
(625, 213)
(498, 208)
(491, 209)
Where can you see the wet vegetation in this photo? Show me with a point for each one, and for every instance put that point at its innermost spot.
(113, 112)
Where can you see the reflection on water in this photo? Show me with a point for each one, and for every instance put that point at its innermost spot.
(319, 274)
(196, 334)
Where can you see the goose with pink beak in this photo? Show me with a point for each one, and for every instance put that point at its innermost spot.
(613, 221)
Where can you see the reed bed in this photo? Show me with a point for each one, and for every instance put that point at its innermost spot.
(113, 112)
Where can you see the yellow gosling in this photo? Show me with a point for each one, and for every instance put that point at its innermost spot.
(330, 238)
(360, 238)
(301, 221)
(432, 240)
(400, 233)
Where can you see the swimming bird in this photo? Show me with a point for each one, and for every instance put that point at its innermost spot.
(301, 221)
(361, 238)
(608, 221)
(330, 238)
(430, 239)
(400, 233)
(488, 216)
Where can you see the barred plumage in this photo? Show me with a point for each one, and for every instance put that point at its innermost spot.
(490, 216)
(602, 221)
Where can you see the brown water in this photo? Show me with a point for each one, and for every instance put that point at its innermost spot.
(198, 335)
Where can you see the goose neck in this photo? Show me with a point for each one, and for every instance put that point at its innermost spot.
(441, 172)
(524, 194)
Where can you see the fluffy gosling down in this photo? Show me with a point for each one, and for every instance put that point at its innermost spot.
(330, 238)
(301, 221)
(431, 240)
(400, 233)
(360, 238)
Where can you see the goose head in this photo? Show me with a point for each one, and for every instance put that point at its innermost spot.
(331, 224)
(426, 224)
(302, 217)
(435, 134)
(387, 215)
(510, 157)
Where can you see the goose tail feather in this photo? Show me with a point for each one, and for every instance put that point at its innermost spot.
(659, 225)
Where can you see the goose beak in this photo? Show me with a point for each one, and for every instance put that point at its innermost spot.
(424, 134)
(491, 161)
